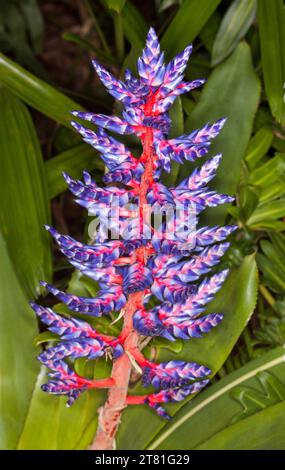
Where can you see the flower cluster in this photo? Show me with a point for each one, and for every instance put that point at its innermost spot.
(133, 269)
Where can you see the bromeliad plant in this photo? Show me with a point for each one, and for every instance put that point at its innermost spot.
(140, 265)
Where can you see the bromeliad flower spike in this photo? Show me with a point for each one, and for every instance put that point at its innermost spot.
(133, 269)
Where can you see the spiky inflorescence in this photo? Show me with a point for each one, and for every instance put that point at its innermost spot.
(133, 267)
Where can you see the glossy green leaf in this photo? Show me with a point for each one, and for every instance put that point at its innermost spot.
(209, 31)
(187, 23)
(278, 240)
(271, 22)
(252, 401)
(24, 204)
(232, 91)
(233, 28)
(49, 424)
(273, 191)
(18, 363)
(268, 211)
(218, 407)
(73, 161)
(236, 300)
(135, 28)
(258, 146)
(268, 173)
(35, 92)
(34, 20)
(262, 431)
(115, 5)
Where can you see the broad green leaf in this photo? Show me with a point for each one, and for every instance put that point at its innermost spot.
(18, 363)
(49, 424)
(271, 22)
(218, 407)
(258, 146)
(272, 266)
(236, 300)
(232, 91)
(73, 161)
(233, 28)
(278, 240)
(115, 5)
(268, 173)
(34, 20)
(268, 224)
(35, 92)
(187, 23)
(262, 431)
(270, 262)
(210, 29)
(273, 191)
(135, 28)
(248, 200)
(24, 204)
(267, 211)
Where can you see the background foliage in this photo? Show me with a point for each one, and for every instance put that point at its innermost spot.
(45, 72)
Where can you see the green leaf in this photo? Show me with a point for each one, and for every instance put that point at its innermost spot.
(18, 363)
(278, 240)
(135, 27)
(258, 146)
(252, 401)
(73, 161)
(187, 24)
(262, 431)
(35, 92)
(188, 431)
(267, 211)
(236, 300)
(232, 91)
(271, 21)
(34, 20)
(268, 173)
(24, 204)
(210, 29)
(116, 5)
(49, 424)
(233, 28)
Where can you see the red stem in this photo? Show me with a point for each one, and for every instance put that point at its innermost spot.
(110, 414)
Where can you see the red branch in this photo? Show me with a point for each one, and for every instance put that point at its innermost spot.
(110, 413)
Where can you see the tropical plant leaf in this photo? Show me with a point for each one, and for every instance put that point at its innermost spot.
(258, 146)
(187, 23)
(18, 364)
(233, 28)
(271, 21)
(232, 91)
(49, 424)
(269, 172)
(73, 161)
(188, 429)
(116, 5)
(271, 210)
(236, 300)
(35, 92)
(23, 194)
(252, 400)
(135, 27)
